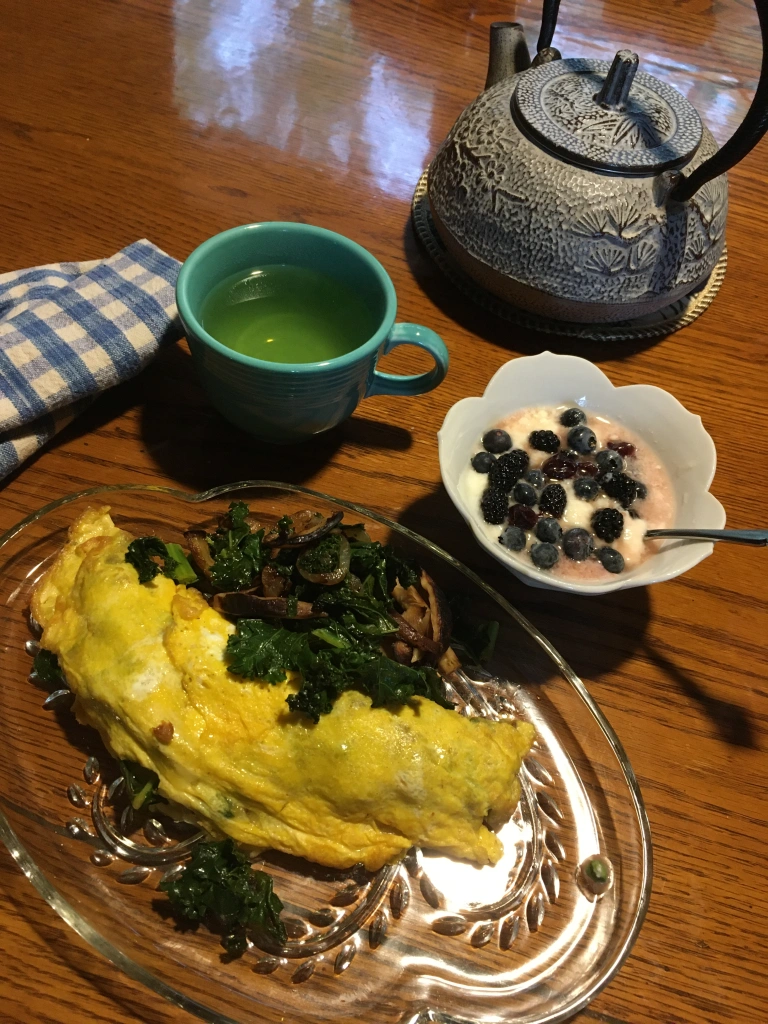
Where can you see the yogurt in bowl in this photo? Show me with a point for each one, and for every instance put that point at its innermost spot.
(576, 483)
(644, 462)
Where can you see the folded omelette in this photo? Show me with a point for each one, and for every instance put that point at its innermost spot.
(147, 665)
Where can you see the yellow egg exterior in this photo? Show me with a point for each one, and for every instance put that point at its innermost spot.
(362, 785)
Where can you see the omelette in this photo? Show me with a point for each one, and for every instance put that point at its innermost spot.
(147, 665)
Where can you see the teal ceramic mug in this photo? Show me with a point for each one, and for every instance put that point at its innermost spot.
(288, 402)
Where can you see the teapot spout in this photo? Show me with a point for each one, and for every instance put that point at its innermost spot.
(508, 52)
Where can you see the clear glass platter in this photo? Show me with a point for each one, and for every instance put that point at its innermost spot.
(528, 941)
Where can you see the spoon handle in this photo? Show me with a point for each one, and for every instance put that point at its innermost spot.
(758, 538)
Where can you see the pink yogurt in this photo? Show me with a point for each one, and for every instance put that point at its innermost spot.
(656, 511)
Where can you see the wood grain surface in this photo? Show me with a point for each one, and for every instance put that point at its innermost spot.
(175, 119)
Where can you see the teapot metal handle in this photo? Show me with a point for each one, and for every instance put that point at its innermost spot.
(746, 136)
(548, 24)
(743, 140)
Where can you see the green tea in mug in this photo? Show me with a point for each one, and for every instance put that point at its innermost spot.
(287, 314)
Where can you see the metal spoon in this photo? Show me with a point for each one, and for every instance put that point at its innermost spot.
(757, 538)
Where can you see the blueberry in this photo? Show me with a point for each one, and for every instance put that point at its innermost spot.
(544, 441)
(642, 491)
(524, 494)
(609, 461)
(497, 441)
(611, 559)
(494, 506)
(483, 461)
(549, 530)
(544, 556)
(608, 524)
(582, 439)
(552, 500)
(578, 544)
(572, 417)
(535, 478)
(513, 537)
(586, 488)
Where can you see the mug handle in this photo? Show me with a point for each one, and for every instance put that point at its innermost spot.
(411, 384)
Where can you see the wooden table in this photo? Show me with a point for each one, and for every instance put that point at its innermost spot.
(124, 119)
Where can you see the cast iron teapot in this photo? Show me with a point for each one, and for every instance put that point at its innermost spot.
(581, 189)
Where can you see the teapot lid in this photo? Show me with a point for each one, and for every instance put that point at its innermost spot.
(608, 116)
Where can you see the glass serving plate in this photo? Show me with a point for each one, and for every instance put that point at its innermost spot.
(429, 939)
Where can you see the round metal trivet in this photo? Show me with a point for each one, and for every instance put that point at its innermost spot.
(655, 325)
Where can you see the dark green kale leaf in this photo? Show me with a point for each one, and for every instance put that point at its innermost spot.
(472, 637)
(46, 667)
(323, 557)
(259, 650)
(367, 561)
(387, 682)
(141, 784)
(218, 884)
(402, 569)
(362, 613)
(238, 554)
(143, 552)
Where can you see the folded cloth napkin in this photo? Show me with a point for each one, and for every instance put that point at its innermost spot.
(69, 331)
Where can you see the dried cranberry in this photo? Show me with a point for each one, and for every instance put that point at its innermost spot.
(587, 469)
(559, 468)
(624, 448)
(523, 516)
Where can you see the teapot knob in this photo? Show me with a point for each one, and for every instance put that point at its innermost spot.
(618, 81)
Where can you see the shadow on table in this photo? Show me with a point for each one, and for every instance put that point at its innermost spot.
(197, 447)
(472, 317)
(594, 634)
(731, 721)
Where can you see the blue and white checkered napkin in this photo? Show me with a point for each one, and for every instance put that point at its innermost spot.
(69, 331)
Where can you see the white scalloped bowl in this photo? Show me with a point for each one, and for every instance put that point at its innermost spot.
(678, 437)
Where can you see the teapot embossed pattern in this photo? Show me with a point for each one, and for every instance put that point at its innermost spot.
(585, 190)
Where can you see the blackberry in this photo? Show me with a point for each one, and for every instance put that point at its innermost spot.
(611, 559)
(620, 487)
(513, 537)
(624, 448)
(608, 524)
(549, 530)
(552, 500)
(482, 462)
(523, 516)
(642, 491)
(609, 461)
(524, 494)
(497, 441)
(535, 478)
(578, 544)
(582, 439)
(572, 417)
(508, 469)
(559, 467)
(586, 488)
(544, 441)
(544, 556)
(494, 506)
